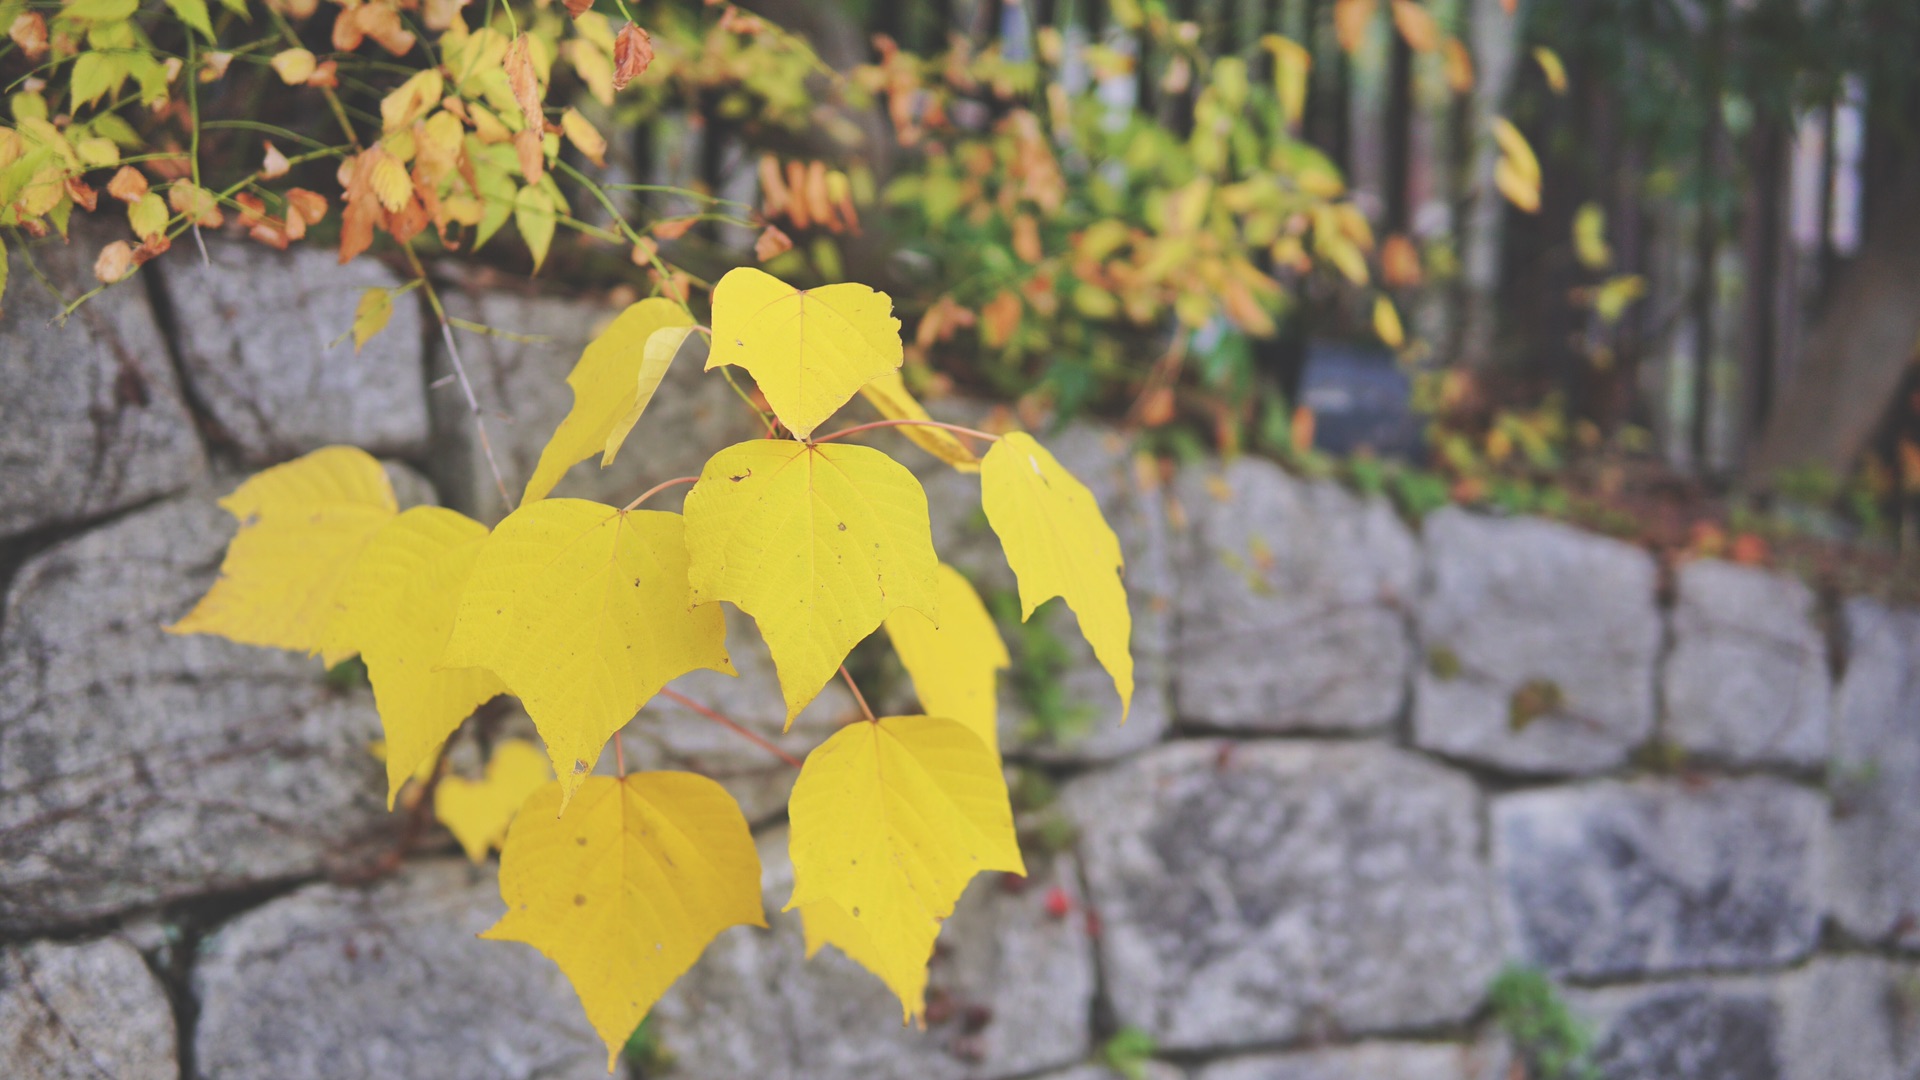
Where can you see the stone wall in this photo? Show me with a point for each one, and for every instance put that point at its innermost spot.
(1368, 766)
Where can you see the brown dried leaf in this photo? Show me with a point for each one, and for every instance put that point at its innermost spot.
(527, 143)
(774, 195)
(771, 243)
(310, 205)
(577, 8)
(115, 262)
(195, 203)
(29, 32)
(526, 87)
(672, 228)
(632, 53)
(83, 196)
(128, 184)
(274, 165)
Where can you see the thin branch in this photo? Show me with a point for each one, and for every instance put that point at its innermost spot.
(460, 372)
(869, 426)
(857, 695)
(658, 488)
(752, 737)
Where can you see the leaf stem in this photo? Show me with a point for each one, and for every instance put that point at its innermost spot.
(908, 422)
(857, 695)
(619, 755)
(752, 737)
(658, 488)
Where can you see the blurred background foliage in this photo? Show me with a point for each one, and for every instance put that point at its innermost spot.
(1648, 263)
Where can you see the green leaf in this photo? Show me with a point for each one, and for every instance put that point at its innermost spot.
(111, 126)
(99, 10)
(370, 316)
(238, 7)
(95, 74)
(149, 74)
(194, 14)
(533, 216)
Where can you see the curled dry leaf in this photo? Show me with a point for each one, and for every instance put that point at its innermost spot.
(29, 32)
(774, 195)
(274, 165)
(310, 205)
(577, 8)
(326, 76)
(525, 85)
(214, 67)
(115, 262)
(771, 243)
(632, 53)
(83, 196)
(671, 228)
(127, 185)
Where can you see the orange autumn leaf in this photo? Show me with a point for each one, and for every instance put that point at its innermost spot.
(632, 54)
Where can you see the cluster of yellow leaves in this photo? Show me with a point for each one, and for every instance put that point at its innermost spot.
(584, 612)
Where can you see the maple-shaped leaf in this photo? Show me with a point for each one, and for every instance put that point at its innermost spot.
(1059, 544)
(888, 395)
(396, 608)
(478, 812)
(302, 525)
(808, 350)
(583, 611)
(819, 543)
(614, 373)
(891, 819)
(953, 664)
(626, 891)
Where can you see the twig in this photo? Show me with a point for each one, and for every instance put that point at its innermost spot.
(870, 425)
(659, 487)
(460, 372)
(857, 695)
(755, 739)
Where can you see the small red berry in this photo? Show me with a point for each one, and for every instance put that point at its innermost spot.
(1058, 902)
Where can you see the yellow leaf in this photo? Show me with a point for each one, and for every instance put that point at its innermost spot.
(584, 136)
(1416, 25)
(583, 611)
(888, 395)
(827, 923)
(1552, 68)
(890, 821)
(662, 346)
(603, 384)
(819, 543)
(302, 525)
(808, 349)
(1616, 294)
(533, 215)
(478, 812)
(370, 315)
(410, 100)
(293, 65)
(953, 664)
(1590, 237)
(1291, 65)
(1058, 544)
(396, 609)
(1386, 323)
(1520, 190)
(627, 890)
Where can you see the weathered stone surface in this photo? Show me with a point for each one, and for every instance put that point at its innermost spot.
(91, 415)
(1613, 879)
(1839, 1018)
(1746, 682)
(1086, 726)
(260, 334)
(668, 735)
(82, 1012)
(1292, 603)
(1371, 1061)
(1851, 1018)
(1010, 993)
(334, 983)
(1873, 875)
(1150, 1070)
(1710, 1030)
(138, 767)
(1527, 608)
(1256, 892)
(521, 383)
